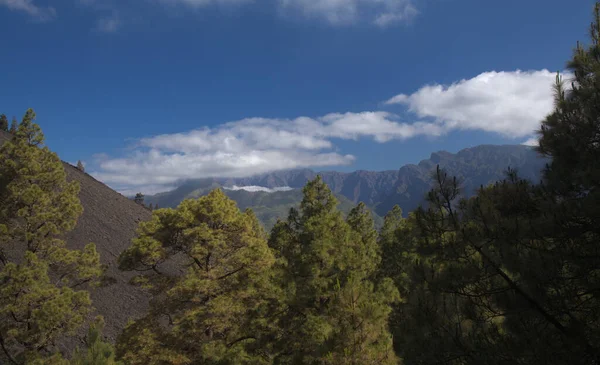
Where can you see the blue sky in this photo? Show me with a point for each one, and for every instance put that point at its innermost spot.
(147, 92)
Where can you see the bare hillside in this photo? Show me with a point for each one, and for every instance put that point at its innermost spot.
(109, 220)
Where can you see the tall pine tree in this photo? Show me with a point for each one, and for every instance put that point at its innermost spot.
(3, 123)
(40, 278)
(334, 313)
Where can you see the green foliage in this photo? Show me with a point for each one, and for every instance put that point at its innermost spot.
(14, 125)
(37, 201)
(335, 314)
(34, 310)
(38, 300)
(96, 352)
(215, 311)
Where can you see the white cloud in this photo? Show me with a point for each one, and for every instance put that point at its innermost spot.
(250, 146)
(509, 103)
(343, 12)
(533, 141)
(254, 188)
(39, 13)
(109, 24)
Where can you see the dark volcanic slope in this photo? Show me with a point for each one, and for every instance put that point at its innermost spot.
(109, 220)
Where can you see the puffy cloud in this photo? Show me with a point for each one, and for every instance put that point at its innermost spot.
(250, 146)
(343, 12)
(27, 6)
(509, 103)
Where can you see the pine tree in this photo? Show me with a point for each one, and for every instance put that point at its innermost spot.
(80, 166)
(3, 123)
(96, 351)
(335, 314)
(139, 198)
(14, 125)
(38, 277)
(217, 308)
(360, 220)
(392, 245)
(442, 277)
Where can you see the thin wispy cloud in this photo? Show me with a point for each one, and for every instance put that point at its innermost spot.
(109, 24)
(346, 12)
(202, 3)
(511, 104)
(38, 13)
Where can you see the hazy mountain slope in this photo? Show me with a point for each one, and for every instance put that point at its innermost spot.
(188, 190)
(267, 206)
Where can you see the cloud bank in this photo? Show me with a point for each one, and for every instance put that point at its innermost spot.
(511, 104)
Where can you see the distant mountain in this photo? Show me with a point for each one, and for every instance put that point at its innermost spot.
(380, 190)
(475, 167)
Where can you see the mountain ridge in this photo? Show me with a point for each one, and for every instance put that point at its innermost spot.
(381, 190)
